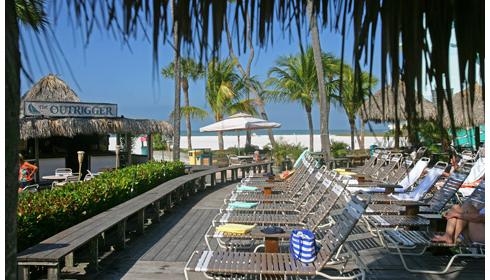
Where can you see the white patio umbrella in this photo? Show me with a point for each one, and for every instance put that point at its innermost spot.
(237, 122)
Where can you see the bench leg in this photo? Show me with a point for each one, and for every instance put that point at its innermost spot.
(121, 235)
(156, 208)
(141, 222)
(54, 272)
(213, 179)
(223, 176)
(94, 252)
(23, 272)
(69, 260)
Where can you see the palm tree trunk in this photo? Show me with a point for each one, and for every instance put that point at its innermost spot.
(324, 105)
(185, 89)
(310, 128)
(221, 145)
(360, 135)
(12, 97)
(246, 73)
(352, 126)
(176, 121)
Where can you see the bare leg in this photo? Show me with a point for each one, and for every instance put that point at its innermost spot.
(453, 228)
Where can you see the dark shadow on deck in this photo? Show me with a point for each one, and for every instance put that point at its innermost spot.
(179, 232)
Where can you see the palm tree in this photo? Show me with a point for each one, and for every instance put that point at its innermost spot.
(29, 13)
(225, 90)
(189, 69)
(324, 104)
(352, 98)
(294, 80)
(177, 116)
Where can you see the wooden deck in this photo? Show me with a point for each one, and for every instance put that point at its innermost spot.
(165, 248)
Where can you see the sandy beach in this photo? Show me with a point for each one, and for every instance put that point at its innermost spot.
(262, 140)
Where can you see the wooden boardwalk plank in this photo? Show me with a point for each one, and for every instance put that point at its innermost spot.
(148, 257)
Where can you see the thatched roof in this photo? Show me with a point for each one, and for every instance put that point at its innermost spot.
(69, 127)
(466, 113)
(51, 88)
(376, 110)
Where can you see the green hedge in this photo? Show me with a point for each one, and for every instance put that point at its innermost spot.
(43, 214)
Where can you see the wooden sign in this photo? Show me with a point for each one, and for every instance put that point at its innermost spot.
(69, 109)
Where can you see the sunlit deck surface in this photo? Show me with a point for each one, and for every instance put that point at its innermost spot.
(163, 250)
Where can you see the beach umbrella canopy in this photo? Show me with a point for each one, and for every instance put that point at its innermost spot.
(466, 113)
(237, 122)
(382, 108)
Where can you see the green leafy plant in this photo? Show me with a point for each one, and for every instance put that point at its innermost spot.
(45, 213)
(339, 149)
(283, 150)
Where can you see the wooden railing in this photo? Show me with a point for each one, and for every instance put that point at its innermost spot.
(112, 227)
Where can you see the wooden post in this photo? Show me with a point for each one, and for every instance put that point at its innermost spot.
(140, 227)
(36, 156)
(213, 179)
(54, 272)
(128, 147)
(23, 272)
(223, 176)
(121, 235)
(69, 260)
(150, 146)
(94, 252)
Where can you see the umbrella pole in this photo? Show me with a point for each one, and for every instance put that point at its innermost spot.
(238, 135)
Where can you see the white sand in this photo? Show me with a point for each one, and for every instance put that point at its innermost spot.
(262, 140)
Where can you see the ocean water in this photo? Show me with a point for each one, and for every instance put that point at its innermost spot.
(338, 132)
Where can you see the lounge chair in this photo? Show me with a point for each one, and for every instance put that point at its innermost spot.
(427, 182)
(326, 178)
(392, 162)
(313, 215)
(435, 204)
(401, 186)
(406, 242)
(68, 179)
(231, 264)
(31, 188)
(258, 181)
(268, 218)
(303, 187)
(369, 163)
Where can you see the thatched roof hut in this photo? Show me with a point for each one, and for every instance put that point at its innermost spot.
(377, 108)
(53, 89)
(466, 113)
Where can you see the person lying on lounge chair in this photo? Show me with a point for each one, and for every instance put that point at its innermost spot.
(463, 221)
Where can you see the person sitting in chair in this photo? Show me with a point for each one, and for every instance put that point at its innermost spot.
(463, 221)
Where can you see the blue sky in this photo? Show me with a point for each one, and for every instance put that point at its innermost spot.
(108, 71)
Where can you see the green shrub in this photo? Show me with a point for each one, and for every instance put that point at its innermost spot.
(283, 150)
(339, 149)
(43, 214)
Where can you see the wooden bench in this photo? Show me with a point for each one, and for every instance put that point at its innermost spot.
(59, 250)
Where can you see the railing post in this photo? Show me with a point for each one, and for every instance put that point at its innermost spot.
(140, 225)
(213, 180)
(223, 176)
(121, 235)
(94, 252)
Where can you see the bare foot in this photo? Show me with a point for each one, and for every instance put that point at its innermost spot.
(442, 238)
